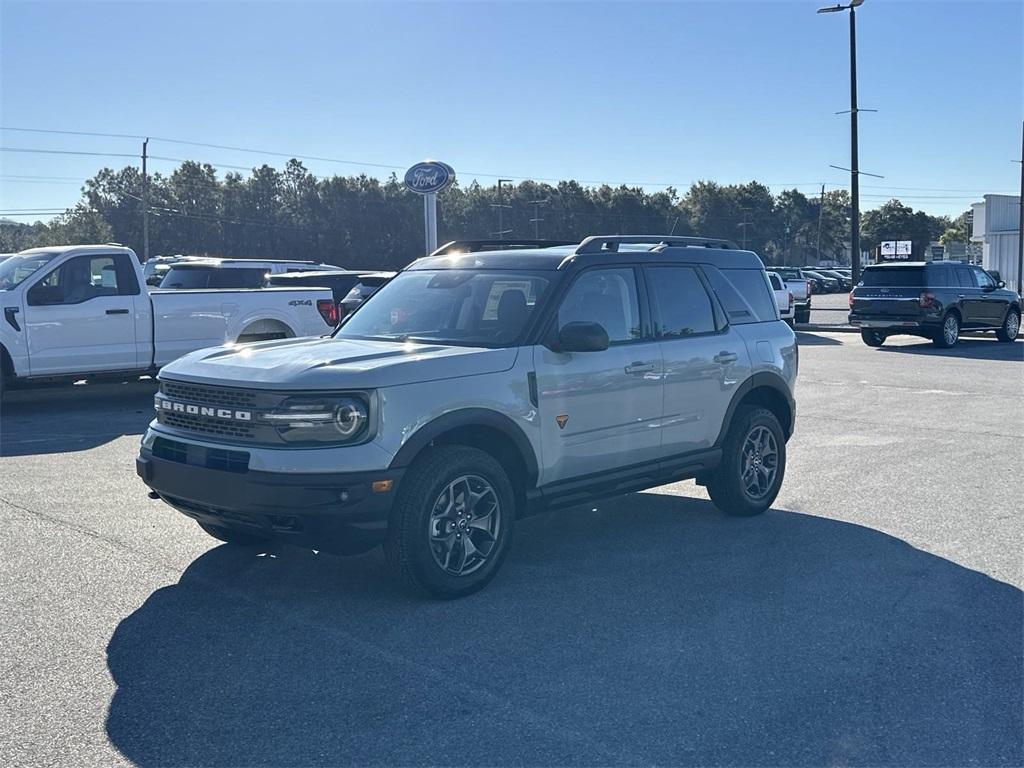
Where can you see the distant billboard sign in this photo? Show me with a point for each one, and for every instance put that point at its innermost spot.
(896, 249)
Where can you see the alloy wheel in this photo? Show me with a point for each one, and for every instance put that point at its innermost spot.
(951, 330)
(760, 462)
(1012, 325)
(464, 525)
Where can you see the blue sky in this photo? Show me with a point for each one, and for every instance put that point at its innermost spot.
(657, 94)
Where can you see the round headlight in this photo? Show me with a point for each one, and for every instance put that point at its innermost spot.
(349, 417)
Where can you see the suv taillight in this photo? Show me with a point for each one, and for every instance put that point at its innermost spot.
(810, 288)
(927, 299)
(328, 311)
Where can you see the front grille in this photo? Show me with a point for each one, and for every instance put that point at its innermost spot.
(207, 426)
(197, 393)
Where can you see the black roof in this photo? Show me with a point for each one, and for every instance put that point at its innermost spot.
(601, 250)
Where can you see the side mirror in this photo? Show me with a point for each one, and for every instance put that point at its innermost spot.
(154, 280)
(582, 337)
(1000, 284)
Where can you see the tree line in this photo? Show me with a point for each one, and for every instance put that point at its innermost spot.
(364, 222)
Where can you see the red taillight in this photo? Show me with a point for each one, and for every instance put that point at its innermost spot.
(851, 298)
(810, 288)
(927, 299)
(328, 311)
(790, 299)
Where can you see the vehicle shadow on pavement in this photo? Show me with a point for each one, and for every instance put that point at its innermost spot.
(653, 630)
(812, 339)
(973, 349)
(65, 418)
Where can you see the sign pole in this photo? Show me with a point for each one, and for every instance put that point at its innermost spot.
(430, 220)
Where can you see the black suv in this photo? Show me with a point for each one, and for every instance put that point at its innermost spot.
(935, 299)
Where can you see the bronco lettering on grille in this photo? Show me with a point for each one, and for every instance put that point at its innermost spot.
(203, 410)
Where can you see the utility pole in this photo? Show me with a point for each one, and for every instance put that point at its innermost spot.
(821, 210)
(854, 161)
(145, 203)
(744, 224)
(500, 234)
(1020, 221)
(536, 220)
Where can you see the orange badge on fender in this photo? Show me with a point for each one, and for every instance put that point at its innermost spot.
(562, 420)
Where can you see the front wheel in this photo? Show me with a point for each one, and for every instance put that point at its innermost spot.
(872, 338)
(1010, 327)
(950, 332)
(753, 463)
(451, 526)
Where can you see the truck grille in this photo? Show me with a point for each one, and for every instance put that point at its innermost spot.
(197, 393)
(216, 411)
(206, 426)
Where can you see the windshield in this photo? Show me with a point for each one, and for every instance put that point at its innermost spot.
(451, 306)
(789, 274)
(20, 267)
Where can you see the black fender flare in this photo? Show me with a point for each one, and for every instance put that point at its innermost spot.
(760, 379)
(468, 417)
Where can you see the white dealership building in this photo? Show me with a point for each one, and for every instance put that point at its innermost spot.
(996, 227)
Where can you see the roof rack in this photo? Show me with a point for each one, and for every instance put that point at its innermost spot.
(472, 246)
(611, 243)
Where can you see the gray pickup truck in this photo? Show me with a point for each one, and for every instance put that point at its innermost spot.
(475, 388)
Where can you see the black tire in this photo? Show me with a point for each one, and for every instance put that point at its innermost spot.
(948, 335)
(872, 338)
(412, 547)
(1009, 329)
(727, 487)
(233, 535)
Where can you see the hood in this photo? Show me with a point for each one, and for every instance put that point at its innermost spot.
(328, 364)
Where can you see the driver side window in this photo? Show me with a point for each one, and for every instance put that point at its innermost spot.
(982, 278)
(77, 280)
(608, 297)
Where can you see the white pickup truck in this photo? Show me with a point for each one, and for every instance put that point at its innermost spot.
(799, 285)
(78, 312)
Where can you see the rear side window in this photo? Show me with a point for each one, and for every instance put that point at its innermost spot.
(893, 276)
(776, 283)
(683, 306)
(744, 294)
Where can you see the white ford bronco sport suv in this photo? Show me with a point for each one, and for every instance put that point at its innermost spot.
(475, 388)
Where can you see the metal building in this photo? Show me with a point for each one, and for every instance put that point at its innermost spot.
(996, 222)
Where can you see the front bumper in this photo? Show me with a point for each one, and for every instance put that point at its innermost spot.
(337, 512)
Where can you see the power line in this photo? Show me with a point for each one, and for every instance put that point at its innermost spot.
(64, 152)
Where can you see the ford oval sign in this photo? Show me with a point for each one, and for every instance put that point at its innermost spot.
(429, 177)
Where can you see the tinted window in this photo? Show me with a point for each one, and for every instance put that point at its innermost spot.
(744, 294)
(605, 296)
(683, 306)
(982, 278)
(964, 279)
(213, 277)
(790, 274)
(893, 276)
(776, 282)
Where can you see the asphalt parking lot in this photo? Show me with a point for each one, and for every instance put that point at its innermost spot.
(873, 617)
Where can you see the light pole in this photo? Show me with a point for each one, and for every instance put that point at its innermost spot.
(854, 170)
(500, 234)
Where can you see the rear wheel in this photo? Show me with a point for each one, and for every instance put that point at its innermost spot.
(451, 525)
(233, 536)
(1011, 326)
(872, 338)
(949, 333)
(753, 463)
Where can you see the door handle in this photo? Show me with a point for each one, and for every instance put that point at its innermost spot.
(959, 295)
(639, 367)
(726, 357)
(118, 311)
